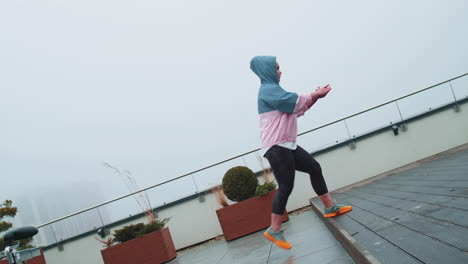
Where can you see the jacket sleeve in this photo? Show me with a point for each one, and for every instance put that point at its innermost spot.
(301, 104)
(283, 101)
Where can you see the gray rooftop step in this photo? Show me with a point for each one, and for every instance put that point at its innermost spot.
(416, 216)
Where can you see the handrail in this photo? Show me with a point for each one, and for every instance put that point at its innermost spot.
(389, 102)
(243, 154)
(142, 190)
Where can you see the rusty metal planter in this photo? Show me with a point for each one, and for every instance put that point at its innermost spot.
(247, 217)
(155, 247)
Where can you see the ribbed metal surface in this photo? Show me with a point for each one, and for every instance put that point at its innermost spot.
(407, 205)
(424, 248)
(422, 189)
(416, 216)
(446, 232)
(456, 216)
(378, 246)
(458, 203)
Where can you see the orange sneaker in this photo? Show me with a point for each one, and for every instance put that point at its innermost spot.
(337, 210)
(277, 238)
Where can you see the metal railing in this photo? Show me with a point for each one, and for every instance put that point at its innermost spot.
(253, 156)
(389, 102)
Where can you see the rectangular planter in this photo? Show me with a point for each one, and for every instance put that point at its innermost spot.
(247, 217)
(152, 248)
(36, 260)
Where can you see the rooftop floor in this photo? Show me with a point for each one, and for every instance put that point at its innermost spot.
(416, 216)
(312, 243)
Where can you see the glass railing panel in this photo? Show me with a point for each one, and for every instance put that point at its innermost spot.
(255, 161)
(119, 210)
(425, 101)
(69, 227)
(171, 191)
(213, 176)
(324, 137)
(373, 120)
(460, 88)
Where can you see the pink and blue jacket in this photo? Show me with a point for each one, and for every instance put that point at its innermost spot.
(278, 109)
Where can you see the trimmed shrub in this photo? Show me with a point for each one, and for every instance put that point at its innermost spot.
(153, 226)
(130, 232)
(265, 188)
(239, 183)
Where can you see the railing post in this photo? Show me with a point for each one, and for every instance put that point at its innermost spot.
(399, 111)
(456, 107)
(404, 127)
(245, 163)
(352, 144)
(102, 231)
(195, 183)
(347, 129)
(59, 244)
(201, 197)
(100, 217)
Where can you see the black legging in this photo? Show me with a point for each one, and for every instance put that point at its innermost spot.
(284, 162)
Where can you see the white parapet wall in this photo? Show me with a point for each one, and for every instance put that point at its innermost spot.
(193, 221)
(384, 151)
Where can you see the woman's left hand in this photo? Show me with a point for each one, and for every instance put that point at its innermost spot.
(323, 91)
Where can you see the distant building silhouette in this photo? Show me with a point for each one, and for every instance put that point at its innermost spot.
(44, 205)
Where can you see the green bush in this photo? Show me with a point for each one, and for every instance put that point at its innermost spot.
(239, 183)
(130, 232)
(265, 188)
(153, 226)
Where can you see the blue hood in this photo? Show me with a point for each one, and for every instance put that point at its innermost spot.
(271, 97)
(265, 68)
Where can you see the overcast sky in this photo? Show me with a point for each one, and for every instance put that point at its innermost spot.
(162, 88)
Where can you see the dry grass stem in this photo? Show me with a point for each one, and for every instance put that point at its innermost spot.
(219, 194)
(141, 198)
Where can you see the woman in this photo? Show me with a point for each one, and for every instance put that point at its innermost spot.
(279, 110)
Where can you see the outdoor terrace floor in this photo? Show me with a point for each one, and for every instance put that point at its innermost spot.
(312, 243)
(419, 215)
(415, 214)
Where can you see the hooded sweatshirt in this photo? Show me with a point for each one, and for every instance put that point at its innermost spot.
(277, 108)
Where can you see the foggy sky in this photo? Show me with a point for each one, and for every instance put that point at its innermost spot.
(162, 88)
